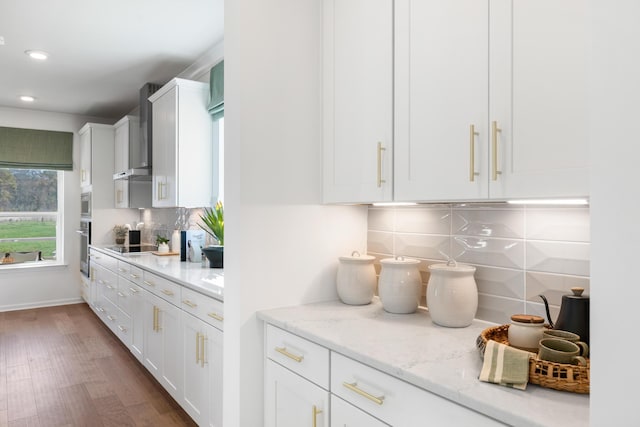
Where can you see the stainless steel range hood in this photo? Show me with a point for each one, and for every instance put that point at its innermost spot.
(140, 149)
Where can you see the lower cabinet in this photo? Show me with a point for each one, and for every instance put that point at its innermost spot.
(202, 394)
(176, 333)
(360, 395)
(292, 401)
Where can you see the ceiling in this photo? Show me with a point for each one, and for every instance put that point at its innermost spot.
(100, 52)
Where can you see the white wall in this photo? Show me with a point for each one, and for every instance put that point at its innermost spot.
(281, 245)
(26, 288)
(615, 211)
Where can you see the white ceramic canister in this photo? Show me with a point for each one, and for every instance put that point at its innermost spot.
(400, 285)
(525, 331)
(452, 294)
(356, 281)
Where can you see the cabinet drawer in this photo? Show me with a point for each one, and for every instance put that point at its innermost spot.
(123, 327)
(203, 307)
(345, 414)
(165, 289)
(130, 272)
(106, 261)
(301, 356)
(108, 283)
(394, 401)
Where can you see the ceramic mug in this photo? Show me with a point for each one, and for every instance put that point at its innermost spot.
(569, 336)
(560, 351)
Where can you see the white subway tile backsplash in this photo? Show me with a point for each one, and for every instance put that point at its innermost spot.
(558, 257)
(506, 253)
(423, 220)
(519, 252)
(488, 222)
(559, 224)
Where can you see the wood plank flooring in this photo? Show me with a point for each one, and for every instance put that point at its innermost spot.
(61, 366)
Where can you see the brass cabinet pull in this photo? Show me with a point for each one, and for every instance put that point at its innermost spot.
(283, 350)
(380, 181)
(110, 317)
(202, 345)
(189, 303)
(156, 328)
(122, 270)
(215, 316)
(121, 295)
(133, 290)
(197, 347)
(133, 276)
(315, 411)
(354, 387)
(122, 328)
(472, 153)
(146, 282)
(108, 285)
(494, 147)
(167, 292)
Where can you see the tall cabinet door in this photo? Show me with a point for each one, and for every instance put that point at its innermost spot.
(358, 100)
(538, 92)
(441, 114)
(165, 131)
(292, 401)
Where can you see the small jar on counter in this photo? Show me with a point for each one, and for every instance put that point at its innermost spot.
(525, 331)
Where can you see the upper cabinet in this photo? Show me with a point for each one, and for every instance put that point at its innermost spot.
(127, 132)
(132, 192)
(358, 100)
(182, 145)
(489, 100)
(96, 163)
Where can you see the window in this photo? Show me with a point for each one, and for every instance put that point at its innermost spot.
(30, 218)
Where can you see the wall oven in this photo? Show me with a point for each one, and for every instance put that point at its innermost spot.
(85, 205)
(85, 241)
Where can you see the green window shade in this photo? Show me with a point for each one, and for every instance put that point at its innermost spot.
(216, 88)
(35, 149)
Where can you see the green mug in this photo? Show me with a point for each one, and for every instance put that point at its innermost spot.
(560, 351)
(569, 336)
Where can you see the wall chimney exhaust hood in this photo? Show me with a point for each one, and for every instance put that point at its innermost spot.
(140, 149)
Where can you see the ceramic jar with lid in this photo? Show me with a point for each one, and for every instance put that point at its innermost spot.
(525, 331)
(356, 281)
(452, 294)
(400, 285)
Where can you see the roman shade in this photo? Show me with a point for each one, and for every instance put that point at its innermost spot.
(216, 88)
(35, 149)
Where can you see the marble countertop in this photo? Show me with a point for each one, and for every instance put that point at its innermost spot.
(207, 281)
(442, 360)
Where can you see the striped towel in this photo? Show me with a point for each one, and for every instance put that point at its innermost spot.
(505, 365)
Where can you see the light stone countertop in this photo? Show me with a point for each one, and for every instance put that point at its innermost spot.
(207, 281)
(442, 360)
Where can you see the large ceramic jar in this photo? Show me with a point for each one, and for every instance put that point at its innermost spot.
(400, 285)
(356, 281)
(452, 294)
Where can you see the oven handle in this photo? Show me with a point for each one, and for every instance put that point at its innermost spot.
(82, 233)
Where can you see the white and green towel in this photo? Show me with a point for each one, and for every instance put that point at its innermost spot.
(504, 365)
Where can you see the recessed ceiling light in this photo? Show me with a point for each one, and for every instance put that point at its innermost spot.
(27, 98)
(37, 54)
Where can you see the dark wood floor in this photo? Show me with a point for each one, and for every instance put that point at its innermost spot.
(60, 366)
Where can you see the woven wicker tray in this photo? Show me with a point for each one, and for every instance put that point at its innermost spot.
(558, 376)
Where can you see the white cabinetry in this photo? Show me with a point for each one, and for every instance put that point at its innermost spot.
(296, 381)
(344, 414)
(132, 192)
(96, 163)
(358, 100)
(182, 145)
(489, 99)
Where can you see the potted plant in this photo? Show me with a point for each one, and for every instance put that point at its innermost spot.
(213, 224)
(163, 244)
(121, 233)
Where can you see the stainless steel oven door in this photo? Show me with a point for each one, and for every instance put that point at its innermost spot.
(85, 239)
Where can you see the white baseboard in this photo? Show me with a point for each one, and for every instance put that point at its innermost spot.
(40, 304)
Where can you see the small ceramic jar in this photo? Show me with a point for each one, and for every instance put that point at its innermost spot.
(400, 285)
(525, 331)
(452, 294)
(356, 281)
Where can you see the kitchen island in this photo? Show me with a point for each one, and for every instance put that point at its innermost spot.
(443, 361)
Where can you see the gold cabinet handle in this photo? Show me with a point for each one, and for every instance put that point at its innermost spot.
(108, 285)
(203, 337)
(472, 153)
(133, 290)
(197, 347)
(118, 196)
(167, 292)
(380, 181)
(110, 317)
(283, 351)
(354, 387)
(189, 303)
(146, 282)
(122, 270)
(216, 316)
(156, 328)
(122, 328)
(121, 295)
(314, 413)
(494, 148)
(133, 276)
